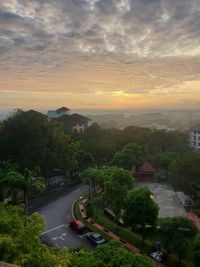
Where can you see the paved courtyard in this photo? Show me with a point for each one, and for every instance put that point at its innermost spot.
(166, 198)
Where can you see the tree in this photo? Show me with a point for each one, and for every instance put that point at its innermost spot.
(84, 159)
(164, 160)
(18, 243)
(23, 138)
(128, 157)
(140, 209)
(84, 258)
(176, 234)
(90, 175)
(61, 149)
(99, 144)
(196, 250)
(112, 254)
(116, 186)
(27, 183)
(187, 166)
(28, 140)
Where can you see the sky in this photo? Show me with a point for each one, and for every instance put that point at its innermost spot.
(99, 54)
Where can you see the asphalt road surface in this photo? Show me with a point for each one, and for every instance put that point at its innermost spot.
(56, 210)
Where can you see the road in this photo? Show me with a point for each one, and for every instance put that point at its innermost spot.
(56, 210)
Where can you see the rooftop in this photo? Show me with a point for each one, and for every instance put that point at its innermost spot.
(145, 167)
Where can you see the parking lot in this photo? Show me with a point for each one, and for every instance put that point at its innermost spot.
(166, 198)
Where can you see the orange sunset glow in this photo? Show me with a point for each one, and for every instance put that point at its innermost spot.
(100, 54)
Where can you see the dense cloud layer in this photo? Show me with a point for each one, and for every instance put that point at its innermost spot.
(145, 44)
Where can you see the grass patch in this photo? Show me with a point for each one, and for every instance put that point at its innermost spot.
(124, 233)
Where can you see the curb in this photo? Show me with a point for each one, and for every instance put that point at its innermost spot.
(72, 210)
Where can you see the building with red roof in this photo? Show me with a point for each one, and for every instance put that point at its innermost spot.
(145, 172)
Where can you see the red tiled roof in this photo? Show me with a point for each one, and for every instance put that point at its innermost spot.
(145, 167)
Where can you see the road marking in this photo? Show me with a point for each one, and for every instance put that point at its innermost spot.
(60, 237)
(81, 236)
(55, 228)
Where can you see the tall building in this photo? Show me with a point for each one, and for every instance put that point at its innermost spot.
(194, 137)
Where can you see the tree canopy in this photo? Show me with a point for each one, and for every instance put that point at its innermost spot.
(140, 209)
(20, 244)
(175, 235)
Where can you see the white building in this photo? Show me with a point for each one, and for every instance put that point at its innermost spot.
(194, 137)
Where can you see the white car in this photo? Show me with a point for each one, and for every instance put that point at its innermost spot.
(156, 255)
(96, 238)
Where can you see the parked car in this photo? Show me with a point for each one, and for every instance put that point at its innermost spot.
(157, 255)
(96, 238)
(77, 226)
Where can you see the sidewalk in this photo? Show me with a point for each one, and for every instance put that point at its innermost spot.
(195, 219)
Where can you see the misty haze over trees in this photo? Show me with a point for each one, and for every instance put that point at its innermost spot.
(150, 118)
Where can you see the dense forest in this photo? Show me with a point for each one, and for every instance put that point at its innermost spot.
(29, 141)
(31, 147)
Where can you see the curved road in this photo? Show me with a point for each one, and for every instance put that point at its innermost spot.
(56, 210)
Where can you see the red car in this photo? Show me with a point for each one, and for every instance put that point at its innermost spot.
(77, 226)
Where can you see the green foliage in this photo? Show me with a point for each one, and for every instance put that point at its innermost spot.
(90, 176)
(165, 159)
(23, 138)
(28, 182)
(90, 209)
(113, 145)
(196, 250)
(113, 254)
(28, 140)
(61, 149)
(187, 166)
(84, 258)
(140, 209)
(84, 159)
(116, 187)
(176, 234)
(99, 143)
(128, 157)
(20, 244)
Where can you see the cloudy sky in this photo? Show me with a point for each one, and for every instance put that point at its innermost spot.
(99, 53)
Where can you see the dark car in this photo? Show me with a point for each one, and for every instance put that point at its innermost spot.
(96, 238)
(77, 226)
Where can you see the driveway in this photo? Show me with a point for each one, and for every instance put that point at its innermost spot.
(167, 200)
(56, 210)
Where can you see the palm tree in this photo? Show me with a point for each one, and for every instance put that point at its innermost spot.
(27, 183)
